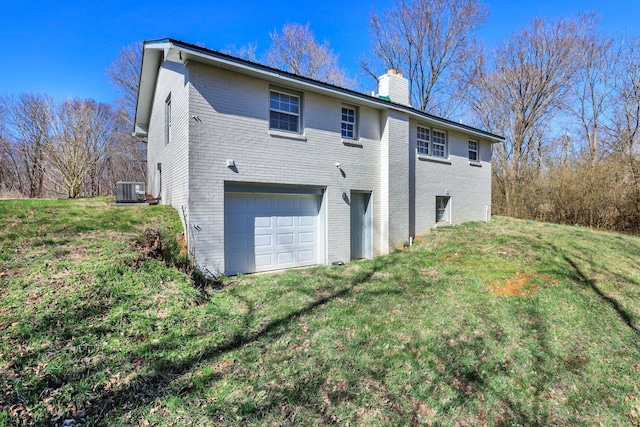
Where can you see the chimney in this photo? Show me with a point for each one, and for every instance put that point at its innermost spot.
(395, 87)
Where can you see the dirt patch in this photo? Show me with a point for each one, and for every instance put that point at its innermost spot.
(451, 257)
(522, 284)
(182, 242)
(151, 244)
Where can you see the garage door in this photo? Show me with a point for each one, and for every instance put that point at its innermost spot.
(270, 231)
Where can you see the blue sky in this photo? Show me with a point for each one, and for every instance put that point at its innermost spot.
(63, 47)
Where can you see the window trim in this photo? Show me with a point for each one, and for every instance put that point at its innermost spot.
(445, 145)
(426, 142)
(354, 124)
(298, 115)
(167, 120)
(476, 151)
(427, 151)
(447, 211)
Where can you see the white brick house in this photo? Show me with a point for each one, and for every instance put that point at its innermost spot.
(270, 170)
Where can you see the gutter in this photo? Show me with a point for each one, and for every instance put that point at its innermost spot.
(207, 55)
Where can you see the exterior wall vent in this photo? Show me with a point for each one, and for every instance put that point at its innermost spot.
(130, 192)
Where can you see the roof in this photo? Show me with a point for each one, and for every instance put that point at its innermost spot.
(159, 50)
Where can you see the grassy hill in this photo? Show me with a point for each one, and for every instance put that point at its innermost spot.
(502, 323)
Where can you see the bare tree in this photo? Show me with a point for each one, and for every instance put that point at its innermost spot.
(28, 119)
(124, 75)
(296, 50)
(84, 137)
(126, 162)
(521, 91)
(248, 52)
(8, 178)
(427, 40)
(625, 128)
(593, 89)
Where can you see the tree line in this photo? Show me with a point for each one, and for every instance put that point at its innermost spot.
(564, 94)
(75, 147)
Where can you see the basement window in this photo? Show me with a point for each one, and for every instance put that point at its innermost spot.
(443, 210)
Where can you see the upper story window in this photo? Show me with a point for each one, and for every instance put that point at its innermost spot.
(284, 111)
(167, 120)
(439, 143)
(432, 142)
(423, 140)
(473, 151)
(348, 123)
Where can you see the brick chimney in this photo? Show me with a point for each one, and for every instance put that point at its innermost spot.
(394, 86)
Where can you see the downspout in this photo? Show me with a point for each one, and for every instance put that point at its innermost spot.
(160, 186)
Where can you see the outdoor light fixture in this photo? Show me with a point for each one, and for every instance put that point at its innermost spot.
(231, 163)
(338, 165)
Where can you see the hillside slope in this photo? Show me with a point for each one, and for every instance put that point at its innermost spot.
(502, 323)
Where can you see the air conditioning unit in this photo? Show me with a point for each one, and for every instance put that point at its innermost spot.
(130, 192)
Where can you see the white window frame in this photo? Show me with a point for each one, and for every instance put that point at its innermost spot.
(345, 123)
(437, 147)
(446, 211)
(475, 151)
(423, 139)
(433, 142)
(167, 120)
(289, 113)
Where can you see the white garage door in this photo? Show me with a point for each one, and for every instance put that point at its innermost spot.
(270, 231)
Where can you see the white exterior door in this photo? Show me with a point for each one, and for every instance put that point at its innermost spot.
(270, 231)
(360, 225)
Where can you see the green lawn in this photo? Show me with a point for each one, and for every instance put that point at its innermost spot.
(503, 323)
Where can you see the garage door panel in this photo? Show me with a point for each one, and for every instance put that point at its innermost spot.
(240, 263)
(285, 258)
(308, 204)
(238, 222)
(270, 231)
(262, 203)
(307, 221)
(263, 262)
(285, 239)
(284, 221)
(237, 204)
(263, 241)
(306, 237)
(307, 256)
(263, 222)
(285, 202)
(241, 242)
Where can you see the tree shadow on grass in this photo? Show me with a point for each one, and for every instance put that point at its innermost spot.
(156, 383)
(480, 380)
(578, 275)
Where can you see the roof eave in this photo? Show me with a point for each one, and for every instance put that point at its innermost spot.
(153, 54)
(161, 49)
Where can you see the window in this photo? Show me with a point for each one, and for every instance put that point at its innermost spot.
(284, 111)
(348, 123)
(423, 140)
(443, 209)
(439, 144)
(432, 142)
(473, 151)
(167, 120)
